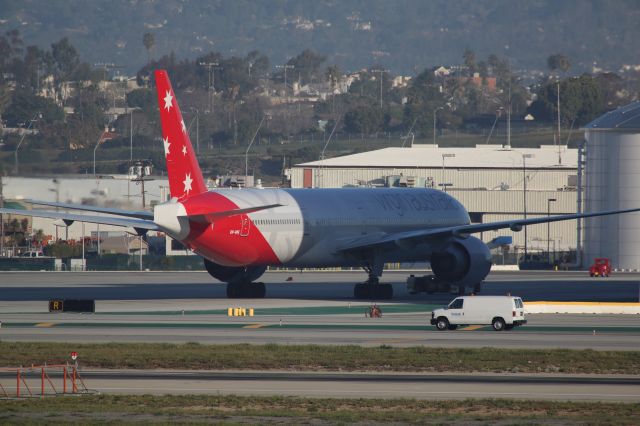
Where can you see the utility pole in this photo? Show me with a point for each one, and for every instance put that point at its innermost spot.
(524, 197)
(434, 123)
(380, 71)
(285, 67)
(558, 115)
(549, 201)
(2, 218)
(211, 66)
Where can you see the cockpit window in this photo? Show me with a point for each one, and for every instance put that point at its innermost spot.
(456, 304)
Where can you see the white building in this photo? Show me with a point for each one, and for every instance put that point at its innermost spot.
(613, 183)
(488, 179)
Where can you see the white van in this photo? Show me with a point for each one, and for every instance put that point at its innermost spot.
(502, 312)
(32, 253)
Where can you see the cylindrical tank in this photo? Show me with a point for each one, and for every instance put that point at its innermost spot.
(613, 183)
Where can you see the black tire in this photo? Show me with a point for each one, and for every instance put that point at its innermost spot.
(360, 291)
(233, 291)
(442, 324)
(452, 327)
(387, 291)
(498, 324)
(258, 290)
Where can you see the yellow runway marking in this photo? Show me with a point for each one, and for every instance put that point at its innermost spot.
(45, 324)
(472, 327)
(254, 326)
(384, 342)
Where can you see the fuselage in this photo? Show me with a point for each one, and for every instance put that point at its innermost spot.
(311, 225)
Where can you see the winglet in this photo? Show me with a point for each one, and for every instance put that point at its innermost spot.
(185, 177)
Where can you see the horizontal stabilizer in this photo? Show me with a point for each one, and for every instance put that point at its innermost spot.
(69, 218)
(95, 209)
(213, 216)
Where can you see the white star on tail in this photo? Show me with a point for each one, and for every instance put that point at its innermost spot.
(184, 128)
(167, 101)
(166, 146)
(187, 183)
(184, 150)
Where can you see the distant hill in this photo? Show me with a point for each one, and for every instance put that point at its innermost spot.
(404, 36)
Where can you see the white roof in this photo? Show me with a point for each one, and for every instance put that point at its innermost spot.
(482, 156)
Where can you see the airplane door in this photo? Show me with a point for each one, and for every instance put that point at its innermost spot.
(245, 225)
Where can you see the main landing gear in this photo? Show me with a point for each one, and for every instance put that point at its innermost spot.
(372, 289)
(245, 290)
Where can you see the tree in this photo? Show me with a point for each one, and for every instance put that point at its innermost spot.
(581, 101)
(558, 61)
(65, 58)
(148, 40)
(470, 60)
(307, 65)
(25, 105)
(364, 119)
(333, 75)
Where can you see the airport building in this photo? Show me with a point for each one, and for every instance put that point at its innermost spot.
(613, 183)
(493, 182)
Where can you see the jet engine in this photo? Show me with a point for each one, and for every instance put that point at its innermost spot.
(464, 261)
(234, 274)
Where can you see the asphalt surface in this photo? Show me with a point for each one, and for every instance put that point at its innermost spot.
(301, 308)
(530, 285)
(318, 308)
(363, 385)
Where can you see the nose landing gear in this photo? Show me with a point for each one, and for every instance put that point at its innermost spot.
(246, 290)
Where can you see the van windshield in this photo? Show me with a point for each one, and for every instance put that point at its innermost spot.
(456, 304)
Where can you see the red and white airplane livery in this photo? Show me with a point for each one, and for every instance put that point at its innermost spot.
(241, 232)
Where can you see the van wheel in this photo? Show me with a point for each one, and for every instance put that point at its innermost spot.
(442, 324)
(452, 327)
(498, 324)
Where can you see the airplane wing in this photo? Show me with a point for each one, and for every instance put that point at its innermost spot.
(418, 236)
(205, 217)
(140, 225)
(96, 209)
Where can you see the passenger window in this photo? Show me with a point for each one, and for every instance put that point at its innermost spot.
(456, 304)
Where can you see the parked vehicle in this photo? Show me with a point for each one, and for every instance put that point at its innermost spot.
(600, 267)
(501, 312)
(32, 254)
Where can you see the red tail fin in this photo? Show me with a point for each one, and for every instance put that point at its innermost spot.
(185, 177)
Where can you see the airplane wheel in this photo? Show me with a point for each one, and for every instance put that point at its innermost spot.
(258, 290)
(360, 291)
(386, 291)
(234, 291)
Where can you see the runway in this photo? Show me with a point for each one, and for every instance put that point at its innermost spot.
(309, 308)
(365, 385)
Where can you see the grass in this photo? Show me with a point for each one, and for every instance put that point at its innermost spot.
(322, 358)
(264, 410)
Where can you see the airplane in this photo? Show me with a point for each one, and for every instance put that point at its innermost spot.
(240, 232)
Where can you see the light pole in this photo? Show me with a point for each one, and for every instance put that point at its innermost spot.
(94, 150)
(285, 67)
(33, 120)
(212, 81)
(444, 185)
(246, 154)
(524, 196)
(380, 71)
(549, 201)
(434, 123)
(56, 182)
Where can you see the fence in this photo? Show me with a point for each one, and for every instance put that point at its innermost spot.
(39, 381)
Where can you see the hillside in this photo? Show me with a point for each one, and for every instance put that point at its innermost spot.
(403, 36)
